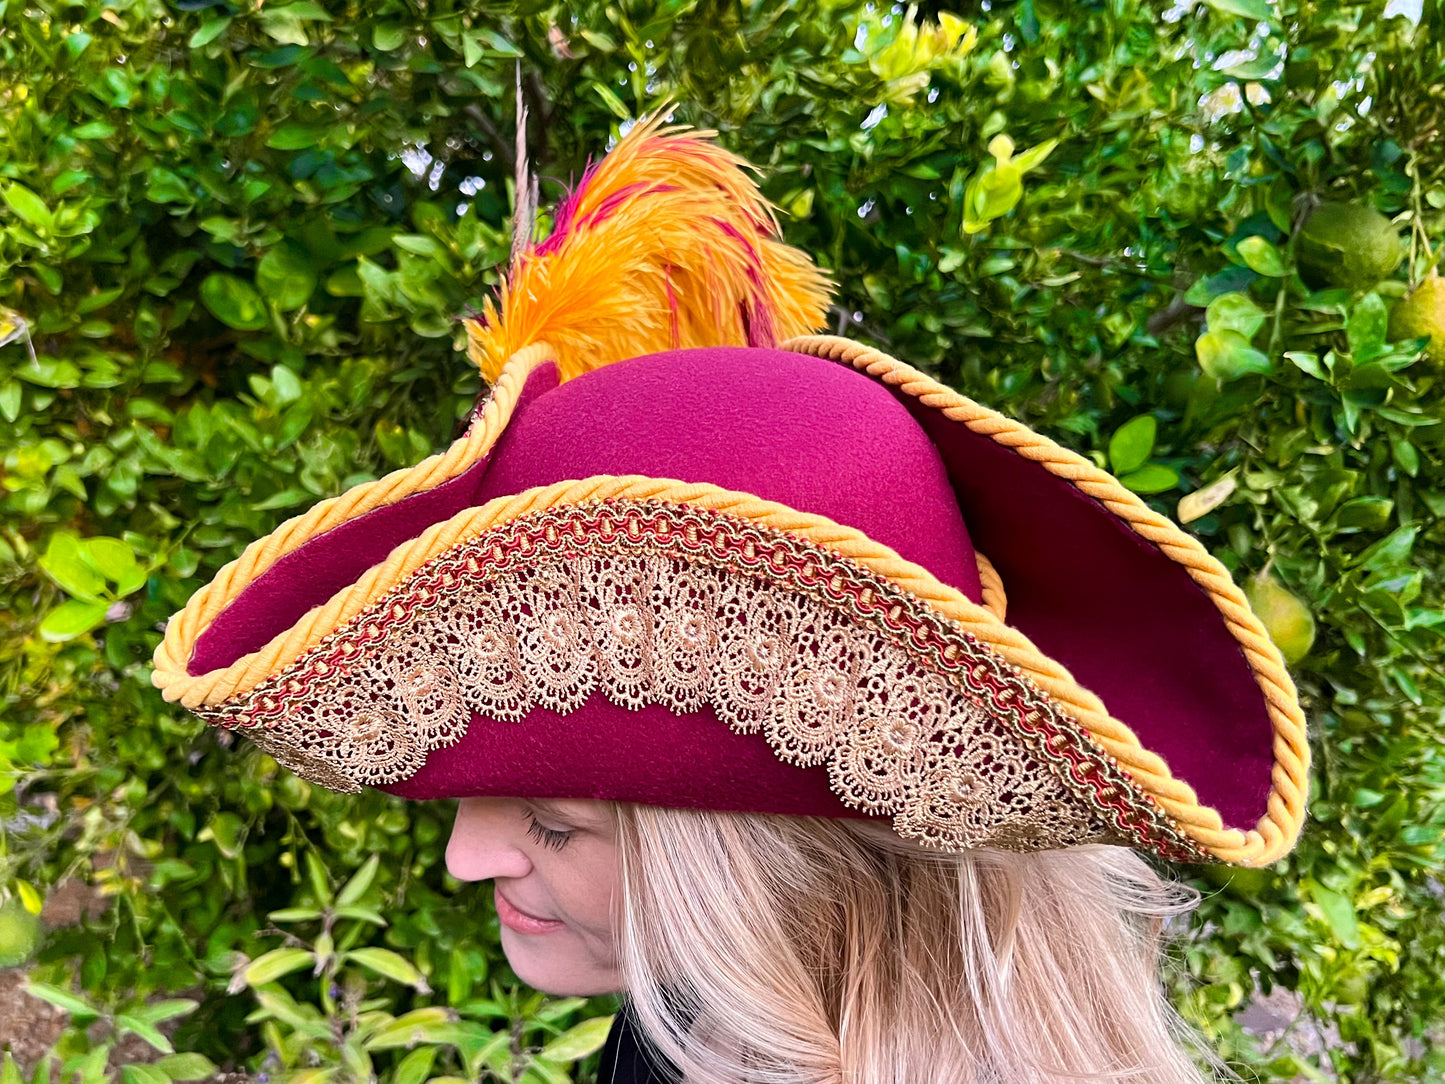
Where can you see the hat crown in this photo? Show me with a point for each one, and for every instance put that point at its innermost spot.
(786, 427)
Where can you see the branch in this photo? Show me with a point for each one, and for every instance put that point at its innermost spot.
(494, 136)
(1176, 312)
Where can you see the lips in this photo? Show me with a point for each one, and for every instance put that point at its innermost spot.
(514, 918)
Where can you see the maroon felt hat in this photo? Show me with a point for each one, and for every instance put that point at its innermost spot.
(749, 573)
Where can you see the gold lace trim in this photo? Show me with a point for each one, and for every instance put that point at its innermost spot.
(492, 629)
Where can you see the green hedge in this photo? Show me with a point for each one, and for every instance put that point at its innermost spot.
(234, 243)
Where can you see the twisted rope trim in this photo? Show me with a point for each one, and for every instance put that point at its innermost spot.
(1277, 830)
(183, 629)
(994, 599)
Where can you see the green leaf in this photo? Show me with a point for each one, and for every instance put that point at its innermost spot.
(9, 1071)
(1367, 326)
(61, 999)
(227, 831)
(289, 497)
(499, 44)
(388, 36)
(1234, 312)
(282, 26)
(1153, 478)
(65, 563)
(1263, 67)
(1365, 514)
(286, 277)
(1261, 257)
(187, 1066)
(29, 897)
(1227, 355)
(991, 194)
(412, 1069)
(612, 101)
(421, 245)
(286, 385)
(1405, 456)
(127, 1022)
(234, 302)
(167, 186)
(388, 963)
(1254, 10)
(93, 1066)
(355, 888)
(158, 1011)
(1033, 157)
(1339, 913)
(579, 1041)
(1132, 442)
(306, 9)
(30, 207)
(304, 1019)
(295, 137)
(111, 557)
(270, 966)
(71, 619)
(1308, 363)
(140, 1073)
(209, 31)
(363, 914)
(543, 1071)
(10, 393)
(433, 1024)
(1390, 552)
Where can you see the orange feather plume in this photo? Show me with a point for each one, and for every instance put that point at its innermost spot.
(667, 243)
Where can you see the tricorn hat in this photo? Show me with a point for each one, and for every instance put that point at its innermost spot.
(687, 554)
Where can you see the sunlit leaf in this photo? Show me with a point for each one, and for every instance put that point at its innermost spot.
(1132, 443)
(1261, 257)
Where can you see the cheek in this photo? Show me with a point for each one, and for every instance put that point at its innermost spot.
(588, 894)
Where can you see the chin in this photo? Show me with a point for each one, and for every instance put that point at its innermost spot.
(553, 972)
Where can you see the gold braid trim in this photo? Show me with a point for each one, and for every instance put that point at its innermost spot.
(1277, 830)
(216, 686)
(174, 653)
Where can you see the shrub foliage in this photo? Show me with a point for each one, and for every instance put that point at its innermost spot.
(234, 243)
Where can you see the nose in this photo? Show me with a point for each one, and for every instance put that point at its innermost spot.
(484, 842)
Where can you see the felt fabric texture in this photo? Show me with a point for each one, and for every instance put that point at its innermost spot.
(310, 574)
(802, 431)
(820, 437)
(1128, 623)
(611, 753)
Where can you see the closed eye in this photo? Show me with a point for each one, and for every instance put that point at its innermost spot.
(547, 837)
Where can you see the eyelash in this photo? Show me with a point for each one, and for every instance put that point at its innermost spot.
(547, 837)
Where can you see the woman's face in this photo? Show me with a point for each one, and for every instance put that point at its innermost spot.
(554, 865)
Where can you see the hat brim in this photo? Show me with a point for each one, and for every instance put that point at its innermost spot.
(1088, 568)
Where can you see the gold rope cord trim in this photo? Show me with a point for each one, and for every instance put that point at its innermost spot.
(1277, 829)
(211, 689)
(212, 692)
(183, 629)
(994, 599)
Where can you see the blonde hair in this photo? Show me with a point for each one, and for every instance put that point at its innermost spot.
(793, 950)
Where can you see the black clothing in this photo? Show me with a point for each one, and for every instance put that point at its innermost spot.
(628, 1058)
